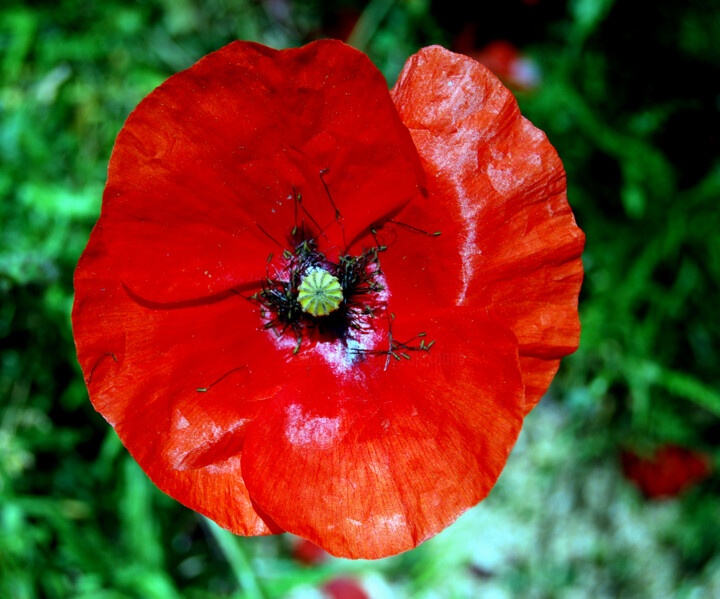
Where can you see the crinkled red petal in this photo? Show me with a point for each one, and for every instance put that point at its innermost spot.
(497, 185)
(146, 367)
(371, 461)
(203, 175)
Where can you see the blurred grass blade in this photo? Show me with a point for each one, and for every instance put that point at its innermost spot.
(368, 23)
(236, 558)
(683, 385)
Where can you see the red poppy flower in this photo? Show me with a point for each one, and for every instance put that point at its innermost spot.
(266, 313)
(509, 64)
(309, 553)
(344, 588)
(669, 471)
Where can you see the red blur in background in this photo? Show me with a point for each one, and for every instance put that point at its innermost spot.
(669, 471)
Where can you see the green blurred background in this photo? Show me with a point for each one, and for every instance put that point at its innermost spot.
(629, 93)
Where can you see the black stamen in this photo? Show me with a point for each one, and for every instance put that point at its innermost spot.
(397, 222)
(100, 359)
(268, 234)
(379, 247)
(320, 231)
(211, 385)
(323, 172)
(397, 349)
(295, 199)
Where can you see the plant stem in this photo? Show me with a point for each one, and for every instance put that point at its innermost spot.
(236, 558)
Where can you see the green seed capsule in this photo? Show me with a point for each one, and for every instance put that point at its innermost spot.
(319, 293)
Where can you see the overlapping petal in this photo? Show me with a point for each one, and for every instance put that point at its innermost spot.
(374, 461)
(143, 365)
(502, 185)
(403, 448)
(202, 174)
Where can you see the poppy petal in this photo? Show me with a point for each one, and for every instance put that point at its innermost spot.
(502, 181)
(212, 170)
(178, 385)
(372, 462)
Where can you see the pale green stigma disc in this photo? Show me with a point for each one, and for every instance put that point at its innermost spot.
(319, 293)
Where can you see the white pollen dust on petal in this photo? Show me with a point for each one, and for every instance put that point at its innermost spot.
(317, 431)
(342, 355)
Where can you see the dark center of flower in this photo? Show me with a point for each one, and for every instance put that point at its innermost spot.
(306, 292)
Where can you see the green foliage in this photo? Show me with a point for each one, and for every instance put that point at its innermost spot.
(630, 101)
(650, 328)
